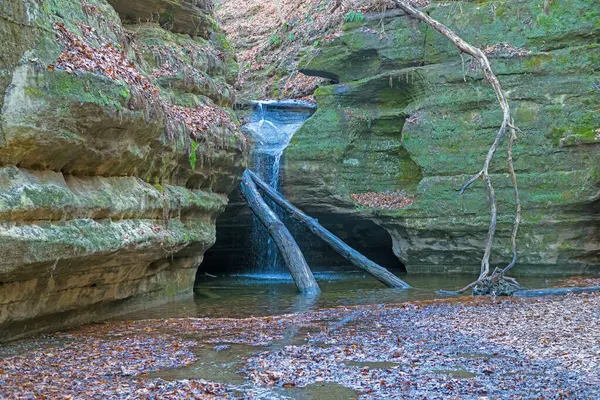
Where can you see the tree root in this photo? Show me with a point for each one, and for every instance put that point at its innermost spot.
(495, 282)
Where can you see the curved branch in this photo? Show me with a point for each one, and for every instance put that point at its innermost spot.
(507, 121)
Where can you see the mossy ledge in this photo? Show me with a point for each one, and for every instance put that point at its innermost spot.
(408, 115)
(101, 211)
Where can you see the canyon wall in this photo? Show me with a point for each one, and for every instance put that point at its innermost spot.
(407, 113)
(118, 148)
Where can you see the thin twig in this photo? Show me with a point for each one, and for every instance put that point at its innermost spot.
(464, 73)
(470, 181)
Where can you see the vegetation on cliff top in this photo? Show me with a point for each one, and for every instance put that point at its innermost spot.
(270, 36)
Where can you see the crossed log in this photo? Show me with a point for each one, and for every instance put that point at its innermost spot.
(292, 255)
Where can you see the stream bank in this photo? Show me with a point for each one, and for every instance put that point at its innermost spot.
(118, 148)
(468, 348)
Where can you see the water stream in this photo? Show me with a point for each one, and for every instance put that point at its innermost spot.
(272, 126)
(221, 357)
(246, 295)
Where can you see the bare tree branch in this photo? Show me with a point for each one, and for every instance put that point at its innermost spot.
(507, 121)
(513, 178)
(279, 12)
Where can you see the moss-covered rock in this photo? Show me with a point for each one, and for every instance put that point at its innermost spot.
(409, 114)
(183, 65)
(101, 208)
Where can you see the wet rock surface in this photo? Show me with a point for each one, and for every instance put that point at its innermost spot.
(467, 348)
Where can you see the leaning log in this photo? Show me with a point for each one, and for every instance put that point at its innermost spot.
(376, 270)
(292, 255)
(563, 291)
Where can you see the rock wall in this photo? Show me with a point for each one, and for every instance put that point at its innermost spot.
(118, 149)
(409, 114)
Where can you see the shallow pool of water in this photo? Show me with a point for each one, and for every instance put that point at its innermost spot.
(246, 295)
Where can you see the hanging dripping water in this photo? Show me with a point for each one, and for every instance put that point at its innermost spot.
(272, 126)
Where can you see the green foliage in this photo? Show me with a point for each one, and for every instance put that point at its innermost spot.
(274, 40)
(193, 155)
(354, 16)
(291, 36)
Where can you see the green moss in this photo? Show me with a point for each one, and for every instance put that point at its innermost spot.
(222, 42)
(167, 17)
(125, 94)
(87, 88)
(194, 147)
(33, 91)
(537, 62)
(526, 113)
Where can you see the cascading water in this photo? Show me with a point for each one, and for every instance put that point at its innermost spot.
(272, 126)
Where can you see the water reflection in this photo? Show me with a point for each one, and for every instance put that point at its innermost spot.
(249, 295)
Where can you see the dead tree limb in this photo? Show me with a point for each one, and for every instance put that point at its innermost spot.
(336, 5)
(513, 178)
(377, 271)
(507, 122)
(292, 255)
(280, 12)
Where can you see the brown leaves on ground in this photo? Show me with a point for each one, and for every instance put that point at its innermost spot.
(386, 200)
(107, 59)
(580, 281)
(301, 85)
(87, 367)
(494, 349)
(465, 348)
(201, 118)
(111, 61)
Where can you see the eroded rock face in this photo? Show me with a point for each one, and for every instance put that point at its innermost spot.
(407, 114)
(190, 17)
(105, 204)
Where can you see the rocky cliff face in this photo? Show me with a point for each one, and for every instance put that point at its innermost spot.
(409, 115)
(117, 151)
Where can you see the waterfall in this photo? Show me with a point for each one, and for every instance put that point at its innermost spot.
(271, 127)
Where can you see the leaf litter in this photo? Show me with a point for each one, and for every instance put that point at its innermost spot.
(111, 61)
(467, 348)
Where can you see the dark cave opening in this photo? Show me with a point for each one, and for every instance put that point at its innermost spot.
(233, 252)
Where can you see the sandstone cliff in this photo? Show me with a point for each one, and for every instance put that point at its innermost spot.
(117, 151)
(409, 115)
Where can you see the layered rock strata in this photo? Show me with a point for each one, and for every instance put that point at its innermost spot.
(118, 149)
(409, 115)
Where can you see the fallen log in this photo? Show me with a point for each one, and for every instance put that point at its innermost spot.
(292, 255)
(376, 270)
(562, 291)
